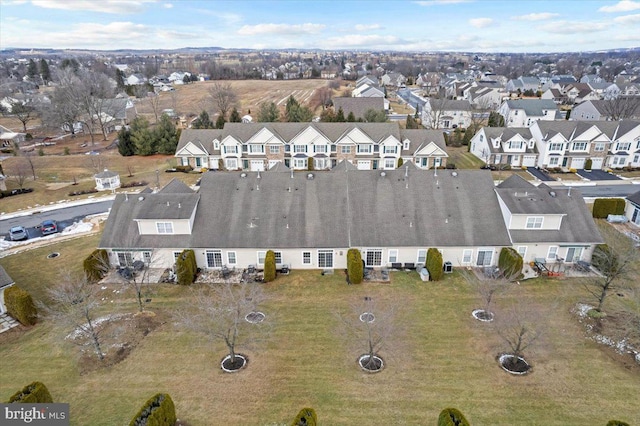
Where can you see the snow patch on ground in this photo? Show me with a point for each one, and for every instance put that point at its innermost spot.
(79, 332)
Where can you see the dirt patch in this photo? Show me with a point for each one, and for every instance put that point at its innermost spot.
(120, 336)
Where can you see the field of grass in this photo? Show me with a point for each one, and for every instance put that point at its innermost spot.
(439, 357)
(463, 159)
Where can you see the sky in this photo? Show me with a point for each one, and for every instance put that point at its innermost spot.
(429, 25)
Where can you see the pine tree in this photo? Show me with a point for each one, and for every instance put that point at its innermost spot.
(32, 69)
(203, 121)
(234, 117)
(268, 112)
(126, 147)
(142, 137)
(220, 122)
(340, 116)
(351, 118)
(165, 136)
(44, 70)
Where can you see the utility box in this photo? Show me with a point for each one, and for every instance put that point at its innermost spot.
(448, 267)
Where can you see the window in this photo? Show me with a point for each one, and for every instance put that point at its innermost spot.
(325, 258)
(320, 163)
(175, 255)
(274, 149)
(534, 222)
(231, 163)
(515, 144)
(624, 146)
(573, 254)
(553, 252)
(393, 256)
(216, 145)
(556, 146)
(125, 259)
(256, 148)
(231, 149)
(522, 251)
(231, 257)
(214, 259)
(599, 147)
(365, 149)
(164, 227)
(345, 149)
(554, 161)
(466, 256)
(306, 258)
(299, 148)
(261, 255)
(389, 163)
(278, 256)
(373, 258)
(146, 257)
(320, 148)
(299, 163)
(390, 149)
(422, 256)
(579, 146)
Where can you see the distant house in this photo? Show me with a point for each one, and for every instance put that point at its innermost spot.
(513, 146)
(5, 283)
(135, 80)
(605, 109)
(578, 92)
(524, 112)
(446, 114)
(555, 95)
(358, 106)
(393, 79)
(522, 84)
(10, 138)
(632, 208)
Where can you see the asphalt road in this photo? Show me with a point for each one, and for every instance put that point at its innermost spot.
(608, 190)
(64, 216)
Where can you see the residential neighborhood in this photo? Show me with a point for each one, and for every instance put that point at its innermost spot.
(283, 213)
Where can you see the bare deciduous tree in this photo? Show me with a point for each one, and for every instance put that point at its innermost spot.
(614, 260)
(24, 113)
(435, 112)
(136, 277)
(17, 171)
(621, 107)
(519, 328)
(65, 110)
(74, 303)
(487, 289)
(223, 97)
(219, 310)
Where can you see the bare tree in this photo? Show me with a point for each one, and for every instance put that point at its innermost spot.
(614, 260)
(24, 113)
(487, 290)
(65, 109)
(219, 311)
(17, 171)
(74, 303)
(137, 278)
(98, 163)
(28, 155)
(95, 95)
(519, 328)
(369, 325)
(223, 97)
(435, 112)
(153, 100)
(621, 107)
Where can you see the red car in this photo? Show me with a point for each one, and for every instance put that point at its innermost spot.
(49, 227)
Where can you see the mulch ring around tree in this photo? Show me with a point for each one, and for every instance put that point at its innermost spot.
(514, 364)
(482, 315)
(120, 335)
(255, 317)
(232, 366)
(370, 366)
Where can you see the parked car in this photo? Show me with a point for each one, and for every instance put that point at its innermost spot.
(18, 233)
(49, 227)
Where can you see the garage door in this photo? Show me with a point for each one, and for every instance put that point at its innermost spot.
(596, 163)
(578, 163)
(257, 166)
(529, 161)
(364, 165)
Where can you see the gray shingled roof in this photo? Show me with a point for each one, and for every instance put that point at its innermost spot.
(106, 174)
(532, 107)
(358, 106)
(634, 198)
(176, 186)
(420, 138)
(340, 208)
(5, 279)
(577, 224)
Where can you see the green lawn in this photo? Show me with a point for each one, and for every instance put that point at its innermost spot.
(440, 357)
(463, 159)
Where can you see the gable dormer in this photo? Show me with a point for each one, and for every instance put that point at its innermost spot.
(496, 142)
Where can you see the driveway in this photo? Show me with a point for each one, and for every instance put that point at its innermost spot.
(597, 175)
(539, 174)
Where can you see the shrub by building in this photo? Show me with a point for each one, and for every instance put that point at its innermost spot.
(20, 305)
(434, 264)
(354, 266)
(510, 263)
(186, 267)
(269, 266)
(452, 417)
(603, 207)
(35, 392)
(96, 265)
(306, 417)
(159, 410)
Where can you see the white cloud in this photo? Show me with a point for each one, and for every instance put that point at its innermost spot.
(628, 19)
(168, 6)
(535, 16)
(103, 6)
(437, 2)
(573, 27)
(362, 27)
(622, 6)
(481, 22)
(281, 29)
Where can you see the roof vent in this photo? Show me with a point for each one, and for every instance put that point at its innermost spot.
(140, 198)
(310, 176)
(258, 177)
(454, 174)
(243, 175)
(383, 174)
(553, 194)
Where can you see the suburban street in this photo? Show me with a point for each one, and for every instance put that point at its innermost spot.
(607, 190)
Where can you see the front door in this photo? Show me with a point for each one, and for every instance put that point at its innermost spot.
(635, 217)
(565, 161)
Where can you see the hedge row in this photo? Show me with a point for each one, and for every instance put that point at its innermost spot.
(510, 263)
(306, 417)
(11, 192)
(20, 305)
(186, 267)
(35, 392)
(83, 192)
(355, 270)
(434, 264)
(157, 411)
(133, 184)
(603, 207)
(269, 266)
(452, 417)
(96, 265)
